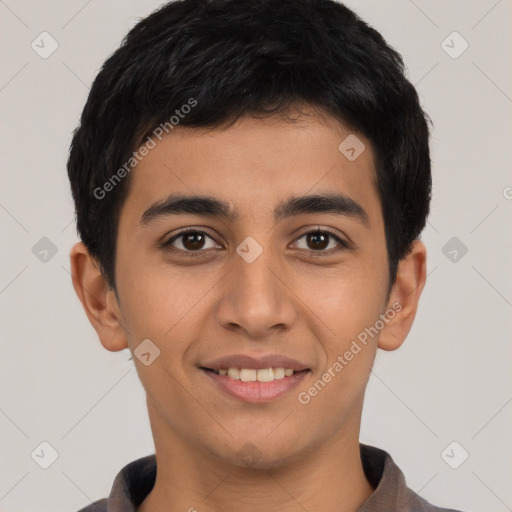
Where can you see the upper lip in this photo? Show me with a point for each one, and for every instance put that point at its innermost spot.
(255, 362)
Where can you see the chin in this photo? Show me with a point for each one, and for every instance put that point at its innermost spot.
(260, 453)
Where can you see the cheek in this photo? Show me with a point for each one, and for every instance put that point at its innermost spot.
(159, 301)
(350, 297)
(348, 308)
(348, 301)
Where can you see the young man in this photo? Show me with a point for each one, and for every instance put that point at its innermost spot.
(251, 178)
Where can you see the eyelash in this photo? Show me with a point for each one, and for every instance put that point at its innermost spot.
(194, 254)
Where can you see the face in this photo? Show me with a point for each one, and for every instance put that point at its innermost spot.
(294, 282)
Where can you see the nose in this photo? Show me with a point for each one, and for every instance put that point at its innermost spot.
(257, 297)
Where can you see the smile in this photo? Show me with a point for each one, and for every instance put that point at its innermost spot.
(253, 375)
(255, 385)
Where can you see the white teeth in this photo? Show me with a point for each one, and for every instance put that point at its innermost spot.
(248, 375)
(279, 373)
(265, 375)
(234, 373)
(253, 375)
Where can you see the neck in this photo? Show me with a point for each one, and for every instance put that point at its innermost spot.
(329, 477)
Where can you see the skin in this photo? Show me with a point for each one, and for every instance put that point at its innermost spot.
(288, 301)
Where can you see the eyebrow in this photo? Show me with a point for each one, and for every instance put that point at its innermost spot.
(207, 206)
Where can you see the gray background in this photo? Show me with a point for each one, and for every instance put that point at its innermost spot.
(450, 381)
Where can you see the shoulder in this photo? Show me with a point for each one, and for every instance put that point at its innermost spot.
(391, 490)
(421, 505)
(131, 485)
(415, 503)
(96, 506)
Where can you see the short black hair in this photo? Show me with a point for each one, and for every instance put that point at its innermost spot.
(205, 63)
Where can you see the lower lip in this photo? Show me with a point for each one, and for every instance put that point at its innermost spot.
(256, 392)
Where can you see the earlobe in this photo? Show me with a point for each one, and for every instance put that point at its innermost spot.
(404, 297)
(97, 298)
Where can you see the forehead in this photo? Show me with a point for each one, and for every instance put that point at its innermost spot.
(254, 164)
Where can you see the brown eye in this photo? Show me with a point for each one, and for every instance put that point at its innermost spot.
(190, 241)
(193, 241)
(319, 241)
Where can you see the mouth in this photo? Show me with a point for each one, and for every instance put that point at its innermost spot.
(255, 384)
(255, 374)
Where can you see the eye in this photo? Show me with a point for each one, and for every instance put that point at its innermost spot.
(191, 241)
(318, 240)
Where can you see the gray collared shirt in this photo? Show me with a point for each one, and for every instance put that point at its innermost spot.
(135, 481)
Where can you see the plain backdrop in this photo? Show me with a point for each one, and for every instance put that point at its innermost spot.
(450, 382)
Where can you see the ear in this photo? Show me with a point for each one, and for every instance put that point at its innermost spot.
(98, 299)
(404, 297)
